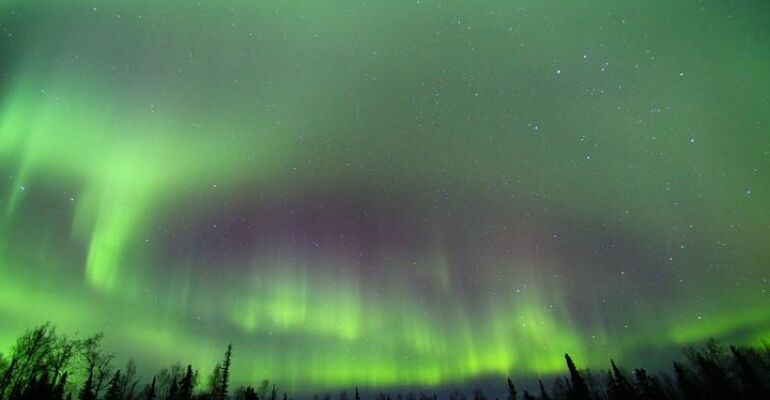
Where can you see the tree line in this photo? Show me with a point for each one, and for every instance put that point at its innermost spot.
(46, 365)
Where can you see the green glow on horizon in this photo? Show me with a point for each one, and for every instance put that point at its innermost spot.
(520, 145)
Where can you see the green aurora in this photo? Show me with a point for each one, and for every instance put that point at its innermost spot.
(386, 193)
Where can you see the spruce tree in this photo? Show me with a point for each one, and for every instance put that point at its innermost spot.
(151, 392)
(754, 387)
(578, 389)
(688, 385)
(114, 390)
(173, 389)
(215, 382)
(250, 394)
(646, 387)
(618, 385)
(511, 390)
(225, 374)
(187, 384)
(543, 393)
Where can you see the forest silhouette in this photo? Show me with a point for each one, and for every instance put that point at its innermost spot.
(46, 365)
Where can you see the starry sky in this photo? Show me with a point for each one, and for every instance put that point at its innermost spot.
(386, 193)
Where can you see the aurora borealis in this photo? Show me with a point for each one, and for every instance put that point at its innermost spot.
(382, 193)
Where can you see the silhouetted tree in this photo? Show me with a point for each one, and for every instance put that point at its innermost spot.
(7, 376)
(37, 361)
(65, 351)
(37, 369)
(712, 365)
(113, 390)
(595, 386)
(511, 390)
(668, 385)
(215, 381)
(578, 389)
(753, 386)
(456, 395)
(187, 384)
(543, 393)
(39, 388)
(173, 389)
(646, 387)
(688, 385)
(264, 388)
(97, 364)
(87, 392)
(618, 385)
(221, 393)
(58, 391)
(128, 381)
(165, 378)
(34, 349)
(247, 393)
(251, 394)
(561, 388)
(151, 393)
(3, 364)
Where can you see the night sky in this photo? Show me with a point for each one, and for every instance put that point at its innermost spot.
(386, 193)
